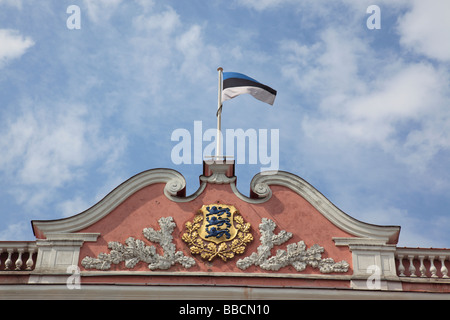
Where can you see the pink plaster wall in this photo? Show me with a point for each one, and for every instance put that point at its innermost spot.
(289, 211)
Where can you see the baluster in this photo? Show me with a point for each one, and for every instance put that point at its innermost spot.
(19, 261)
(401, 268)
(1, 251)
(444, 269)
(422, 268)
(8, 261)
(412, 269)
(433, 269)
(30, 261)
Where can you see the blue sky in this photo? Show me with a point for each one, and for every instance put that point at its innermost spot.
(363, 115)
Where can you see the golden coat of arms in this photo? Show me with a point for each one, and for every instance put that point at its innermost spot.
(217, 230)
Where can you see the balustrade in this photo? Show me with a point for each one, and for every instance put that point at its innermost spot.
(423, 263)
(411, 262)
(13, 255)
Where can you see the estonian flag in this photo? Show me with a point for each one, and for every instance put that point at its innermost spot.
(235, 84)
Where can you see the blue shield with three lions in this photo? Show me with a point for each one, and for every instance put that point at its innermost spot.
(218, 223)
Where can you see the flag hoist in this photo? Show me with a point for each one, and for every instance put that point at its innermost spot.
(232, 84)
(219, 114)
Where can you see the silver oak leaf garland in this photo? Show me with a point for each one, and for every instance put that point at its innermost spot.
(136, 250)
(295, 254)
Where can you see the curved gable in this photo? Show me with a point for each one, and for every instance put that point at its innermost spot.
(173, 186)
(149, 224)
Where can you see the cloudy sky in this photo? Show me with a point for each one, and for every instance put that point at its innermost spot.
(363, 114)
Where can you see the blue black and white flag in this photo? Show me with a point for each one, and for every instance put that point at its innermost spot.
(235, 84)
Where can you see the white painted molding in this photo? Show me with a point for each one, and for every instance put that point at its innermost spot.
(260, 186)
(346, 242)
(175, 183)
(91, 237)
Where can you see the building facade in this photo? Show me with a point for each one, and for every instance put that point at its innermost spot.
(147, 239)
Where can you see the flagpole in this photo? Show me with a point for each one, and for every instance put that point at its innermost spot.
(219, 114)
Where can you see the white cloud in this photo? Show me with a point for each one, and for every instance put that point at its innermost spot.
(146, 4)
(346, 99)
(164, 36)
(166, 55)
(12, 45)
(73, 206)
(262, 4)
(17, 230)
(101, 10)
(12, 3)
(198, 56)
(44, 149)
(425, 29)
(405, 115)
(376, 124)
(329, 66)
(398, 107)
(165, 22)
(152, 50)
(411, 227)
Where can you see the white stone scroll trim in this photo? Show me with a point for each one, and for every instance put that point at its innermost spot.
(174, 185)
(260, 188)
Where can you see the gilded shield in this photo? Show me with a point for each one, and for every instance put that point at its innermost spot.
(217, 231)
(218, 225)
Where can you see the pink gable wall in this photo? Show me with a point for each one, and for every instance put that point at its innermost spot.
(289, 211)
